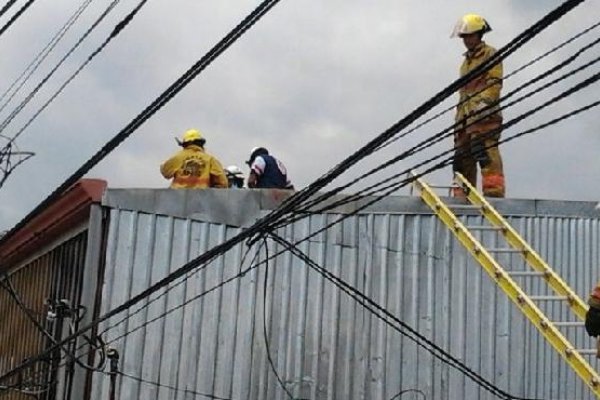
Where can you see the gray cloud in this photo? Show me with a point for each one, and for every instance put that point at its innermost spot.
(312, 81)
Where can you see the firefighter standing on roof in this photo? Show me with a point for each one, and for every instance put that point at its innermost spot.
(192, 167)
(478, 116)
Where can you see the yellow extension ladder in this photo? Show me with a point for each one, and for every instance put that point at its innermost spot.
(504, 278)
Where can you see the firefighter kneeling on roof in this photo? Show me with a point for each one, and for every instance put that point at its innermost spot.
(478, 117)
(192, 167)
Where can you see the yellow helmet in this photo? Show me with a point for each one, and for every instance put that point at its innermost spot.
(470, 23)
(191, 135)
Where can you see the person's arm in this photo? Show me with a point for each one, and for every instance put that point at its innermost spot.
(492, 81)
(252, 179)
(169, 167)
(256, 170)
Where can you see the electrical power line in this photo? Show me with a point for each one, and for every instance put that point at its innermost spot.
(409, 180)
(156, 105)
(5, 151)
(16, 16)
(7, 285)
(173, 388)
(239, 275)
(394, 322)
(7, 7)
(370, 190)
(389, 189)
(264, 324)
(265, 224)
(476, 117)
(406, 391)
(448, 131)
(32, 94)
(515, 72)
(357, 295)
(118, 28)
(41, 56)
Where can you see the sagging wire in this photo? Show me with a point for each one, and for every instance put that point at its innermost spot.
(168, 289)
(242, 272)
(34, 382)
(42, 55)
(394, 322)
(239, 275)
(7, 285)
(170, 387)
(406, 391)
(19, 108)
(489, 134)
(7, 7)
(183, 280)
(511, 74)
(303, 195)
(300, 196)
(16, 16)
(97, 346)
(473, 119)
(260, 11)
(264, 325)
(32, 94)
(441, 164)
(388, 182)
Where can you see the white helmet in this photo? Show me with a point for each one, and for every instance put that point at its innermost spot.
(233, 170)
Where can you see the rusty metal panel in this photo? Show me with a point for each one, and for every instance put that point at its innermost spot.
(323, 344)
(51, 277)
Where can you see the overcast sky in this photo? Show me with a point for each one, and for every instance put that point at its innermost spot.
(313, 81)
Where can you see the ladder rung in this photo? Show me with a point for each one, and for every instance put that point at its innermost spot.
(588, 352)
(529, 305)
(483, 228)
(526, 273)
(464, 206)
(568, 324)
(444, 186)
(504, 250)
(549, 298)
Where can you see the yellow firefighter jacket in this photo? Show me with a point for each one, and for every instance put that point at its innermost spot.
(482, 90)
(192, 168)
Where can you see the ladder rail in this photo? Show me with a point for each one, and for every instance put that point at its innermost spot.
(512, 290)
(530, 256)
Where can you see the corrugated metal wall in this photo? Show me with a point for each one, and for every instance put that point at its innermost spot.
(54, 275)
(322, 343)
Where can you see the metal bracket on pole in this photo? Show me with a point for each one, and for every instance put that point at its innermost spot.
(113, 356)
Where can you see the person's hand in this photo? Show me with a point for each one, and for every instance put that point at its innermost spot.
(592, 321)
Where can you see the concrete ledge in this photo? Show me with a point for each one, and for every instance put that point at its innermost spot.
(241, 207)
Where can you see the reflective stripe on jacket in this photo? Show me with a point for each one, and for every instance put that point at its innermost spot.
(483, 89)
(192, 168)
